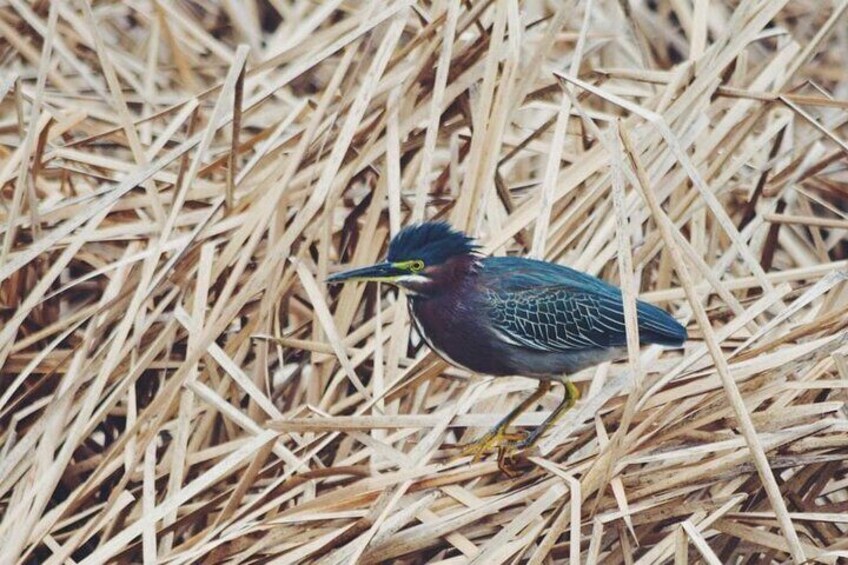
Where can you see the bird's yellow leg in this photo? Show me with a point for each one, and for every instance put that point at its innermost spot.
(498, 436)
(572, 395)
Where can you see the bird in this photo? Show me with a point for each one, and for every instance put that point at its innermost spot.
(510, 316)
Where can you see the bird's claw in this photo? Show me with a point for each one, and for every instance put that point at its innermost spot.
(491, 441)
(506, 459)
(506, 444)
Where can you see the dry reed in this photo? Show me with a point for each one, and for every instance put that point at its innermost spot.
(178, 179)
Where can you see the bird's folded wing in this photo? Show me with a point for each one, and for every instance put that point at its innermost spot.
(562, 318)
(554, 318)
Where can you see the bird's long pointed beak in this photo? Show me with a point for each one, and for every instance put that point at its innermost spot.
(378, 272)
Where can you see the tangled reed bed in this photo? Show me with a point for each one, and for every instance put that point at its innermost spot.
(178, 178)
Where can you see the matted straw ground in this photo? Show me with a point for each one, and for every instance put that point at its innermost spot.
(179, 177)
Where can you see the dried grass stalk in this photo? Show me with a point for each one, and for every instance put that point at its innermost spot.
(178, 179)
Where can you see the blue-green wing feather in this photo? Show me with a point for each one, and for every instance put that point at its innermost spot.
(548, 307)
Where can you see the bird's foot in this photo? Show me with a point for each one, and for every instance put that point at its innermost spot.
(507, 460)
(490, 441)
(512, 453)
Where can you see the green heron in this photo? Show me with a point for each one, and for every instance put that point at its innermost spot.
(505, 316)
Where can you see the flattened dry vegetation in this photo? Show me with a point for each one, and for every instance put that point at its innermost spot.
(179, 177)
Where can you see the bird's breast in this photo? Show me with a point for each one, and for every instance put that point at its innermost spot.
(457, 333)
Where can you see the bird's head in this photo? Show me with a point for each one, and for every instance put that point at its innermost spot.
(421, 258)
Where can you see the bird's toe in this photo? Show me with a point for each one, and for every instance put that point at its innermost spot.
(489, 442)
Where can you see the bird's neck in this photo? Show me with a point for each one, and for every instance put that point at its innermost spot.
(450, 276)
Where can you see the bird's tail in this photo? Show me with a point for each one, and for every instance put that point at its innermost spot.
(657, 326)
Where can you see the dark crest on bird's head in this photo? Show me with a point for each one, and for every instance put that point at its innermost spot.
(431, 242)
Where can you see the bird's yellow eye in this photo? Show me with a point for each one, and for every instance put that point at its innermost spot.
(416, 265)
